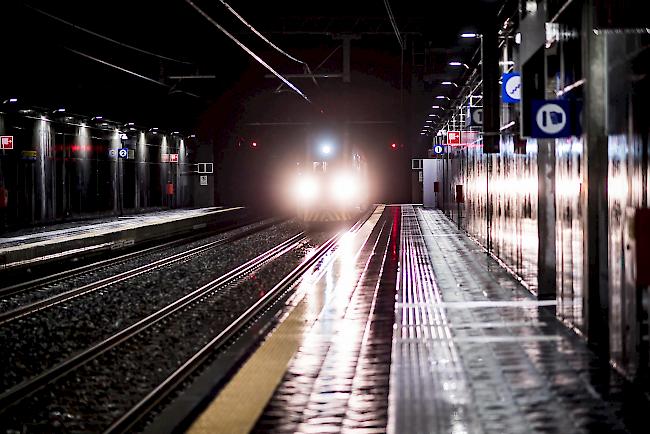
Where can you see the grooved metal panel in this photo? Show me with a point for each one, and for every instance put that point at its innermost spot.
(474, 352)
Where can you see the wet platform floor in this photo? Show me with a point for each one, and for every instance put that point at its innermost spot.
(416, 330)
(63, 231)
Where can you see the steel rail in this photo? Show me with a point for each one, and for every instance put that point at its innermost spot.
(19, 312)
(141, 409)
(28, 387)
(51, 279)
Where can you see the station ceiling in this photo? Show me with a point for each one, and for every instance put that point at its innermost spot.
(49, 60)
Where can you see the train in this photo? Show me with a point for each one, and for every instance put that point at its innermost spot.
(330, 185)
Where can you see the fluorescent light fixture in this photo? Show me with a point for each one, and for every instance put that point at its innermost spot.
(174, 132)
(457, 63)
(469, 35)
(130, 124)
(61, 110)
(429, 121)
(13, 99)
(436, 107)
(98, 118)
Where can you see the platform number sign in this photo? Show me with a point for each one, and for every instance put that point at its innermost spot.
(6, 142)
(453, 137)
(474, 117)
(551, 119)
(173, 158)
(438, 149)
(511, 87)
(123, 153)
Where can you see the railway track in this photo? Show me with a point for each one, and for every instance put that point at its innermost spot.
(24, 389)
(90, 366)
(45, 282)
(136, 414)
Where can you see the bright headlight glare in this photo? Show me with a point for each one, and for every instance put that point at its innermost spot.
(344, 187)
(306, 188)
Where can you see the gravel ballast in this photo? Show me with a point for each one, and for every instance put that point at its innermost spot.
(89, 399)
(37, 342)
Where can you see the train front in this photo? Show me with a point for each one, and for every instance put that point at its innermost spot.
(331, 187)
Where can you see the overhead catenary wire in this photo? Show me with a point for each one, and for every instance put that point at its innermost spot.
(261, 36)
(106, 38)
(265, 39)
(135, 74)
(393, 23)
(248, 50)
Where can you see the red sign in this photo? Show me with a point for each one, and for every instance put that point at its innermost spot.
(453, 137)
(173, 158)
(6, 142)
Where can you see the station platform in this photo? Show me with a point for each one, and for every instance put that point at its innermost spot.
(29, 247)
(412, 328)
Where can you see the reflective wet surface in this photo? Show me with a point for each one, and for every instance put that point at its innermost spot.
(338, 380)
(475, 352)
(470, 351)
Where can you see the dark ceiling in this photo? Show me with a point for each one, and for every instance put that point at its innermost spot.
(47, 62)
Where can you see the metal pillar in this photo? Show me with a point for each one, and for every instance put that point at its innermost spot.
(595, 223)
(546, 261)
(491, 97)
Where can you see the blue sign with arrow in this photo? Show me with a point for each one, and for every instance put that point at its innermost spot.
(511, 87)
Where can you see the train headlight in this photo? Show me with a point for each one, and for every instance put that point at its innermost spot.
(306, 189)
(345, 188)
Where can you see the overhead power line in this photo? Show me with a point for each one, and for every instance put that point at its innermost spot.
(250, 52)
(393, 23)
(119, 68)
(106, 38)
(265, 39)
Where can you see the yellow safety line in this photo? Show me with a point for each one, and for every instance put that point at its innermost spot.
(239, 405)
(241, 402)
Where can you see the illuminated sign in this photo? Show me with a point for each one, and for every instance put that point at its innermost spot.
(511, 87)
(6, 142)
(551, 119)
(453, 137)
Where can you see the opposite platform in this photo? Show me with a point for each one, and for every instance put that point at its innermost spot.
(57, 242)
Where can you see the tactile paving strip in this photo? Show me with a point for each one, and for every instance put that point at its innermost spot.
(338, 380)
(474, 352)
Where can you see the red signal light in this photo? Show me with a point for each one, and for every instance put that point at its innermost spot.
(393, 146)
(254, 144)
